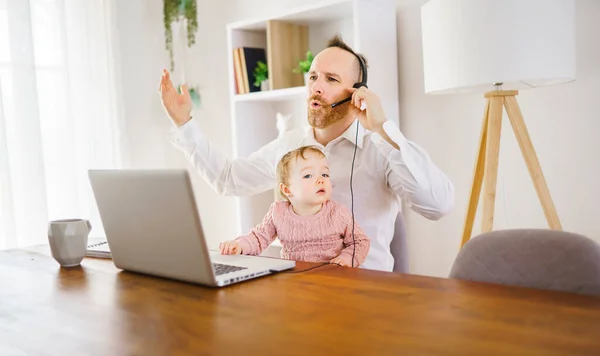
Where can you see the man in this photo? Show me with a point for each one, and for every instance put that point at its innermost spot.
(386, 165)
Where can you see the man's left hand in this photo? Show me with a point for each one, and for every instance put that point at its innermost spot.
(339, 261)
(373, 117)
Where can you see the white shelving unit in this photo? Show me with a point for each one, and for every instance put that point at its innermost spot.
(368, 26)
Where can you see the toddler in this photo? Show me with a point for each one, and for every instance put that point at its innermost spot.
(310, 226)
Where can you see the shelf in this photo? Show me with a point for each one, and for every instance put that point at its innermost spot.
(273, 95)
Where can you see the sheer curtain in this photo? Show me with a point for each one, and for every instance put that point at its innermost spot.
(60, 113)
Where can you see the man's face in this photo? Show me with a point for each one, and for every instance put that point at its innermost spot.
(332, 72)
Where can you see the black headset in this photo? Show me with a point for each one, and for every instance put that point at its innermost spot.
(362, 83)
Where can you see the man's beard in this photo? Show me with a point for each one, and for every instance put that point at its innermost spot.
(326, 115)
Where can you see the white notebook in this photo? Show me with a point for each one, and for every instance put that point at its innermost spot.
(98, 248)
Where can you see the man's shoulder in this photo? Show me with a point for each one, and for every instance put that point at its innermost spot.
(290, 140)
(295, 134)
(284, 143)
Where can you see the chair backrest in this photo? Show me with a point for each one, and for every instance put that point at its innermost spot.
(398, 246)
(535, 258)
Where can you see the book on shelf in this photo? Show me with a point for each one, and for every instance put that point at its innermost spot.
(245, 60)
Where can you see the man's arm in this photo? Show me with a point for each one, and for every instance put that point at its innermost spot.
(227, 177)
(230, 177)
(412, 174)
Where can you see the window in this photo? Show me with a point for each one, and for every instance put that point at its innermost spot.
(59, 114)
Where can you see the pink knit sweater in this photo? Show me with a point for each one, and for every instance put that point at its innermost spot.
(317, 238)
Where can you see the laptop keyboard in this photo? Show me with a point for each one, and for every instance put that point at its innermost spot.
(222, 269)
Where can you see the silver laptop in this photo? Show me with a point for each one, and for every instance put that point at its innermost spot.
(153, 227)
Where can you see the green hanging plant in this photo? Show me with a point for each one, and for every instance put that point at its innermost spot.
(174, 11)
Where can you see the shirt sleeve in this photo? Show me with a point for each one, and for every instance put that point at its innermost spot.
(229, 177)
(261, 236)
(412, 174)
(356, 243)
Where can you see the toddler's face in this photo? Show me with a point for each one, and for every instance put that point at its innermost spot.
(309, 180)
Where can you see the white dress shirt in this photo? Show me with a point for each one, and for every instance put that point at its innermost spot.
(382, 176)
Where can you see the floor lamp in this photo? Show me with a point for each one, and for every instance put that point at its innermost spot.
(497, 48)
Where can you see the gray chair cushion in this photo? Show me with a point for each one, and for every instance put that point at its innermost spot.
(535, 258)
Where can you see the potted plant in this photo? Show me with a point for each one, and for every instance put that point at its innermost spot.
(304, 66)
(175, 11)
(261, 76)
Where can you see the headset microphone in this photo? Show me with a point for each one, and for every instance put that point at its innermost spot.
(357, 85)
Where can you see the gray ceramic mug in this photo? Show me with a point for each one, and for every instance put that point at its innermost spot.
(68, 240)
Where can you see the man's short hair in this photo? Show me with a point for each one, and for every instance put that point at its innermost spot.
(337, 41)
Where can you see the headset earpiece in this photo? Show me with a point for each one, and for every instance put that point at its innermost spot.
(362, 83)
(363, 73)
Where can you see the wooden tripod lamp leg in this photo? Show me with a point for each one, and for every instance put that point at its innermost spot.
(533, 164)
(477, 178)
(491, 162)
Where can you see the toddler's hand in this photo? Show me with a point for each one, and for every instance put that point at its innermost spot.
(339, 261)
(230, 248)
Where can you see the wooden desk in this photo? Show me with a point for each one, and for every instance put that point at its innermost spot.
(98, 310)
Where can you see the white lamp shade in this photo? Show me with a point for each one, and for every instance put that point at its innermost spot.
(468, 45)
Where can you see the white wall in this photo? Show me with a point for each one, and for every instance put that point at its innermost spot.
(143, 56)
(562, 120)
(563, 124)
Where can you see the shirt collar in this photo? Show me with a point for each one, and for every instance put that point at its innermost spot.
(349, 134)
